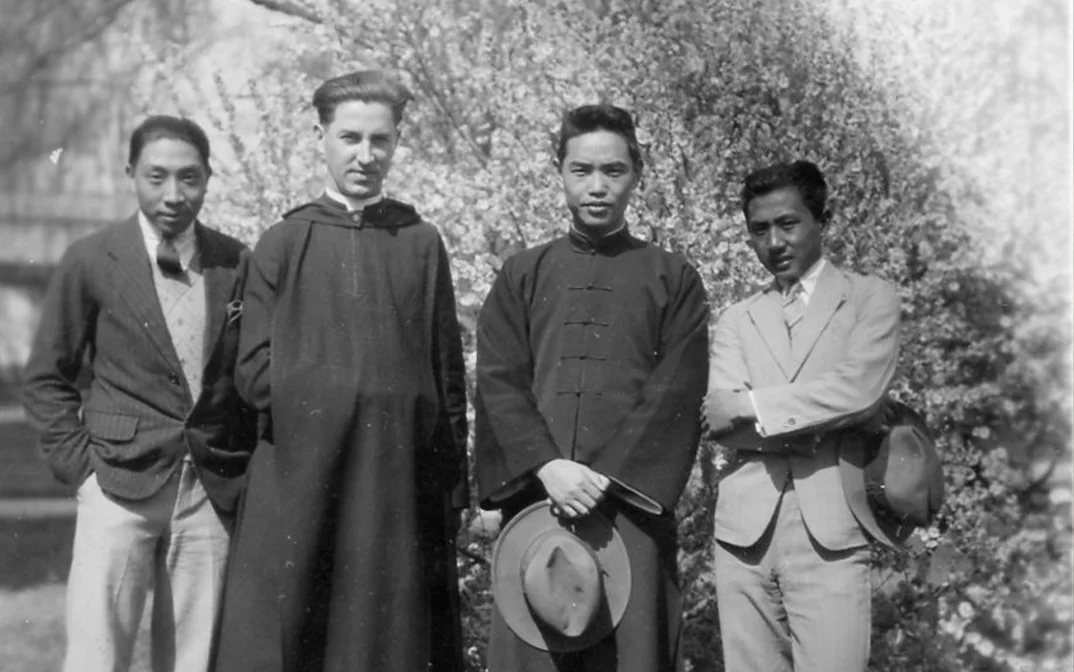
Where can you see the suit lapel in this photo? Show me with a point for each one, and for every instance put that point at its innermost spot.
(829, 294)
(767, 317)
(133, 280)
(219, 285)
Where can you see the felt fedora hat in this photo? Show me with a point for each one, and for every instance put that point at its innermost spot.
(561, 584)
(896, 482)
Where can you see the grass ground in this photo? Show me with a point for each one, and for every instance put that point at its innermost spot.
(22, 471)
(35, 555)
(34, 559)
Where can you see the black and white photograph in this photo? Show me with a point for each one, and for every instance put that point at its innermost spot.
(536, 336)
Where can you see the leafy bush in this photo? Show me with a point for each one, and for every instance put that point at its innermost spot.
(720, 87)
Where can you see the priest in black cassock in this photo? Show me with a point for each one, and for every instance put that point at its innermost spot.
(344, 555)
(592, 363)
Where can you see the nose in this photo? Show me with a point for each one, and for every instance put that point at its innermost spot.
(364, 153)
(172, 192)
(597, 185)
(774, 238)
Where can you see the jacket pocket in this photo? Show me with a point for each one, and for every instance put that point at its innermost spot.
(111, 427)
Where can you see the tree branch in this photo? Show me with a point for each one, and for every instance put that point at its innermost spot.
(291, 8)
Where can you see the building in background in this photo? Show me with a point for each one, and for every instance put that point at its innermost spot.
(72, 72)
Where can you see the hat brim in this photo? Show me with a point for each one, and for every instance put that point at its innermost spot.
(606, 543)
(853, 464)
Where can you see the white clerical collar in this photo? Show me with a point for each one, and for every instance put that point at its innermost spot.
(185, 242)
(352, 204)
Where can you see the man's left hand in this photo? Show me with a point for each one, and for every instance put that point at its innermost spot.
(722, 410)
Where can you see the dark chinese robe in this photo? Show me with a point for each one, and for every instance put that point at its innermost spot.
(344, 553)
(597, 352)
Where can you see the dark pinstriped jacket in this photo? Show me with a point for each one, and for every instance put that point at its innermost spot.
(139, 418)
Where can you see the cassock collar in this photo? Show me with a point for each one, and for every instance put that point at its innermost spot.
(613, 241)
(386, 213)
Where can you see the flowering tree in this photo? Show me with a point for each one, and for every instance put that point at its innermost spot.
(720, 87)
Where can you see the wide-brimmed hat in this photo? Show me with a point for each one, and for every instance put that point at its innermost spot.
(899, 478)
(561, 584)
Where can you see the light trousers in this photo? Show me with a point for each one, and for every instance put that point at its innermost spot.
(787, 604)
(173, 544)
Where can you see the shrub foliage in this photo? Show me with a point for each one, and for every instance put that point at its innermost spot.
(720, 87)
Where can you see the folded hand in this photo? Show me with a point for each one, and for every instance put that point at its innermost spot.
(574, 488)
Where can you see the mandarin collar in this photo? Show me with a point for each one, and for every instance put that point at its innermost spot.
(612, 241)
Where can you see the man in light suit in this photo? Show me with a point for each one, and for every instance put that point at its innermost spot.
(159, 443)
(796, 370)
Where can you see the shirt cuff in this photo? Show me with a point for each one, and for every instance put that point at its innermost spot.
(759, 424)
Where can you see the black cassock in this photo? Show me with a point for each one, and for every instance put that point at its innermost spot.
(343, 556)
(597, 352)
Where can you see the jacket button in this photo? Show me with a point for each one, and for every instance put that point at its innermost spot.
(173, 379)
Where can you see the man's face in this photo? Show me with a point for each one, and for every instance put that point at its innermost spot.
(170, 180)
(784, 234)
(358, 146)
(598, 179)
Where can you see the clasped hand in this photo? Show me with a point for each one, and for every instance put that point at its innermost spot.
(574, 488)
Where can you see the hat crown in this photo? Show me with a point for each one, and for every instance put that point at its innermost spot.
(561, 582)
(539, 564)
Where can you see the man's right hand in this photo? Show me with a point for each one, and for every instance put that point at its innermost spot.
(574, 488)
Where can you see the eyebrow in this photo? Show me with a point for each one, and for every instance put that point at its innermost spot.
(346, 132)
(189, 168)
(610, 164)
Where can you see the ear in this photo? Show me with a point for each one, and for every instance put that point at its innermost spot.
(318, 130)
(825, 219)
(130, 171)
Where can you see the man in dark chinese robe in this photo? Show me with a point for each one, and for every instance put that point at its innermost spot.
(592, 358)
(351, 352)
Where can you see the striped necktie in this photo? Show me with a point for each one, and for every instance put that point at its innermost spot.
(793, 307)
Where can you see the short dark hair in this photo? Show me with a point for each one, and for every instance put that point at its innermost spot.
(166, 126)
(368, 86)
(804, 176)
(600, 117)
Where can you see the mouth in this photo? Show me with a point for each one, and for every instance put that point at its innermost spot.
(597, 209)
(362, 176)
(782, 263)
(170, 216)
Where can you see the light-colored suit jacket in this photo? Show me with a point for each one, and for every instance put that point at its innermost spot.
(807, 394)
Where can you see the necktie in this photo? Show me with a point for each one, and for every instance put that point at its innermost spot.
(793, 307)
(168, 257)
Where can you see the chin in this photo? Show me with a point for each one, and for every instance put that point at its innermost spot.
(362, 192)
(174, 228)
(789, 277)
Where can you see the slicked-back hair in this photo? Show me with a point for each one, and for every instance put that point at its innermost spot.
(368, 86)
(804, 176)
(601, 117)
(174, 128)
